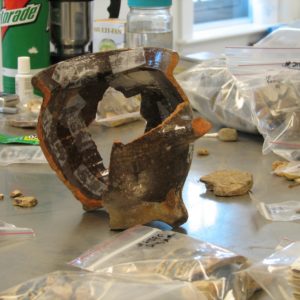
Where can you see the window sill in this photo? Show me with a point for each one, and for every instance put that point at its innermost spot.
(227, 32)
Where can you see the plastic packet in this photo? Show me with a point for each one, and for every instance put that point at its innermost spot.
(282, 37)
(23, 120)
(250, 89)
(85, 285)
(151, 250)
(260, 62)
(282, 206)
(269, 78)
(143, 250)
(117, 120)
(9, 100)
(213, 91)
(25, 115)
(283, 139)
(279, 274)
(21, 154)
(9, 233)
(282, 211)
(278, 119)
(9, 110)
(115, 109)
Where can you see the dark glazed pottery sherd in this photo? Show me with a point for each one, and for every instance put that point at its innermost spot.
(145, 177)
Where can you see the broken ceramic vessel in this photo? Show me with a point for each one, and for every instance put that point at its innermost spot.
(145, 177)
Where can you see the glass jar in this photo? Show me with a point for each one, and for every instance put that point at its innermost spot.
(149, 25)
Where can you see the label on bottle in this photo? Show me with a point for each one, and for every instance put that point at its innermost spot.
(24, 32)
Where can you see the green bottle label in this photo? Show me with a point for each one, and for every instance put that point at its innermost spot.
(24, 15)
(24, 32)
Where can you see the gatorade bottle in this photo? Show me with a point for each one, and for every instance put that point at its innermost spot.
(24, 32)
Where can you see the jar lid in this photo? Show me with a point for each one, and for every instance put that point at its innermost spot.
(149, 3)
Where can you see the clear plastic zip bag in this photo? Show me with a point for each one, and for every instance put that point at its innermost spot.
(251, 89)
(115, 109)
(142, 250)
(9, 233)
(269, 79)
(283, 206)
(213, 91)
(279, 274)
(21, 154)
(80, 285)
(286, 36)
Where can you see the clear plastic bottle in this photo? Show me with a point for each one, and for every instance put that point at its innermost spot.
(24, 87)
(149, 23)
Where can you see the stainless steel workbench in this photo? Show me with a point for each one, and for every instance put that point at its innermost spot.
(63, 230)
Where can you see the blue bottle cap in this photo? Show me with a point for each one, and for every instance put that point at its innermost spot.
(149, 3)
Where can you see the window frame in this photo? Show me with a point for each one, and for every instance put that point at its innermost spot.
(213, 7)
(184, 27)
(184, 19)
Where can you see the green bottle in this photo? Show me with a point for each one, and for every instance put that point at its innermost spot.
(24, 32)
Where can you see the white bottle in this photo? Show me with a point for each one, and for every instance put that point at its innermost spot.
(24, 87)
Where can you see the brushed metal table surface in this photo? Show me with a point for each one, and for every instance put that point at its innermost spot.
(63, 230)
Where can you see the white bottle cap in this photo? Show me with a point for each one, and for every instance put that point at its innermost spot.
(23, 65)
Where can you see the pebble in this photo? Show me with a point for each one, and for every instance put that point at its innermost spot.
(228, 135)
(25, 201)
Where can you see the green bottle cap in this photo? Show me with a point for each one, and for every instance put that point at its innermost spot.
(149, 3)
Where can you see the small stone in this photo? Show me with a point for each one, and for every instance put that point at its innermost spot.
(16, 193)
(1, 196)
(202, 152)
(25, 201)
(228, 135)
(228, 182)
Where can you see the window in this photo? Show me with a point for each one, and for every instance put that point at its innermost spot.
(217, 10)
(210, 25)
(196, 15)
